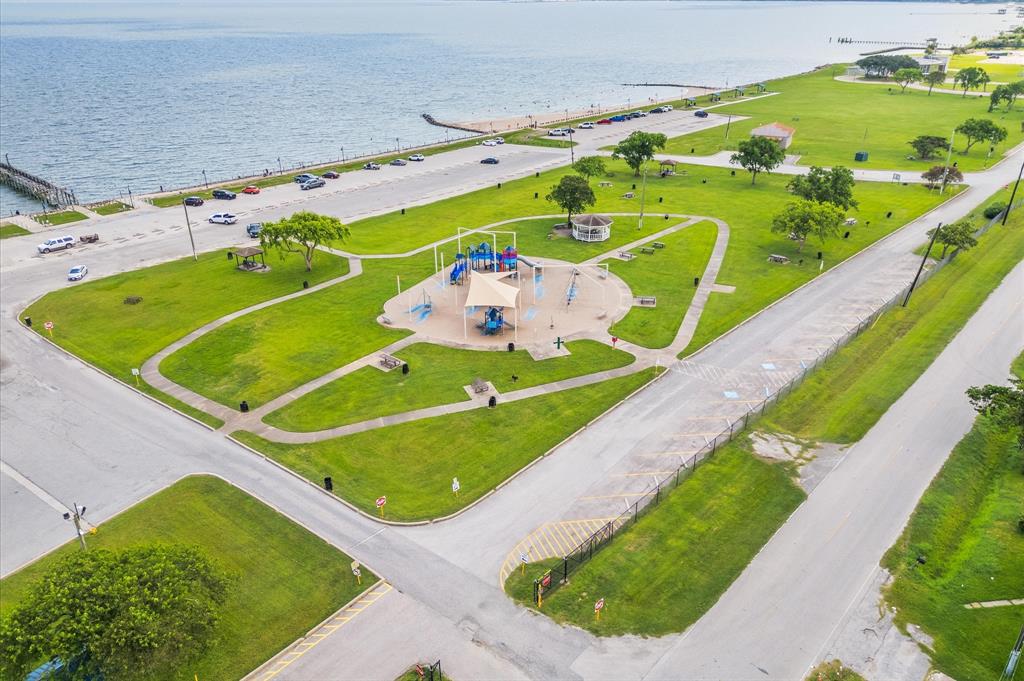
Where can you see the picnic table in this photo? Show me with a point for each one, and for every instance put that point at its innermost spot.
(480, 385)
(389, 362)
(778, 258)
(647, 301)
(626, 255)
(647, 251)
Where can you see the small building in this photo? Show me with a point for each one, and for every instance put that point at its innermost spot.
(589, 227)
(929, 64)
(781, 134)
(245, 258)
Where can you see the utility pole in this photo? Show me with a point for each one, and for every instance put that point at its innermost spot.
(189, 226)
(945, 170)
(572, 154)
(1006, 213)
(76, 518)
(921, 266)
(728, 124)
(131, 199)
(205, 181)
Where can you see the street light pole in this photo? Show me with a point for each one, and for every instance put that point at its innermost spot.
(76, 518)
(280, 168)
(343, 154)
(643, 196)
(189, 226)
(572, 154)
(131, 199)
(205, 181)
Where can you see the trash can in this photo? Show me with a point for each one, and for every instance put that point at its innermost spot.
(492, 401)
(405, 368)
(860, 156)
(244, 406)
(328, 483)
(511, 347)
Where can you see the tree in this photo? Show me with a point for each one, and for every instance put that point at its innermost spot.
(882, 65)
(933, 78)
(833, 186)
(984, 79)
(959, 234)
(979, 129)
(302, 233)
(803, 218)
(969, 78)
(1003, 404)
(942, 175)
(573, 194)
(589, 166)
(999, 93)
(904, 77)
(927, 145)
(757, 155)
(639, 148)
(1013, 90)
(122, 615)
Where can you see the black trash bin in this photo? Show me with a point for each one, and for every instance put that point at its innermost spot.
(328, 483)
(492, 401)
(244, 406)
(28, 321)
(405, 368)
(511, 347)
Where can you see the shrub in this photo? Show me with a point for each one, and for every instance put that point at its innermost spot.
(994, 209)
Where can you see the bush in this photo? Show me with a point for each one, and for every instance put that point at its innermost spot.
(994, 209)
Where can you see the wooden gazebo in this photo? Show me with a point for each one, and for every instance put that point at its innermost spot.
(667, 167)
(589, 227)
(245, 258)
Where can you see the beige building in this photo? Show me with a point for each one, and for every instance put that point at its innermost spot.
(782, 134)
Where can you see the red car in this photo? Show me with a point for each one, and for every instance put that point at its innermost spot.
(605, 121)
(251, 189)
(331, 175)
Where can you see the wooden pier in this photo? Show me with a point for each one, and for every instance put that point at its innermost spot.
(33, 185)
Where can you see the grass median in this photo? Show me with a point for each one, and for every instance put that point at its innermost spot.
(666, 274)
(834, 120)
(286, 580)
(437, 375)
(111, 208)
(7, 230)
(62, 217)
(961, 546)
(662, 573)
(863, 379)
(413, 463)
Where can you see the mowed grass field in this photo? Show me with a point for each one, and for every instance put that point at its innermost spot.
(864, 378)
(965, 529)
(998, 70)
(285, 579)
(661, 574)
(437, 376)
(834, 120)
(8, 229)
(668, 275)
(413, 463)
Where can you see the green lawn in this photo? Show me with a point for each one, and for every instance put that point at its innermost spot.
(864, 378)
(413, 463)
(275, 179)
(92, 321)
(667, 274)
(268, 352)
(833, 671)
(7, 230)
(286, 580)
(60, 217)
(965, 530)
(112, 208)
(1004, 72)
(437, 376)
(538, 138)
(834, 120)
(661, 574)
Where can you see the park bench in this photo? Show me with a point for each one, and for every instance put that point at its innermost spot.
(647, 301)
(658, 244)
(389, 362)
(778, 258)
(480, 386)
(626, 255)
(604, 184)
(628, 195)
(647, 251)
(850, 221)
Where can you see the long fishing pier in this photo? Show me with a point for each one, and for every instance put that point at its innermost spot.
(33, 185)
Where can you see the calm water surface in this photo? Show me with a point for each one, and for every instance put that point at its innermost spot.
(103, 96)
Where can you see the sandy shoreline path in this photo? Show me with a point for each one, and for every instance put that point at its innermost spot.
(549, 117)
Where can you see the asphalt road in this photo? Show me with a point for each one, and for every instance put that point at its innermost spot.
(83, 438)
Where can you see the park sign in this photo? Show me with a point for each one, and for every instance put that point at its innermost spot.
(599, 605)
(48, 326)
(456, 486)
(381, 501)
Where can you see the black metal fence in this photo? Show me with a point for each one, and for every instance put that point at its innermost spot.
(550, 580)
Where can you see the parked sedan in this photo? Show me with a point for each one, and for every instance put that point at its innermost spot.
(77, 273)
(417, 157)
(253, 229)
(251, 189)
(331, 175)
(618, 118)
(604, 121)
(499, 140)
(490, 160)
(193, 201)
(700, 113)
(223, 218)
(399, 162)
(223, 194)
(586, 125)
(312, 184)
(489, 143)
(371, 166)
(304, 177)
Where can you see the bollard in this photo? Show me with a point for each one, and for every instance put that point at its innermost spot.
(733, 173)
(403, 211)
(537, 174)
(243, 406)
(536, 195)
(328, 483)
(28, 322)
(405, 368)
(819, 255)
(499, 185)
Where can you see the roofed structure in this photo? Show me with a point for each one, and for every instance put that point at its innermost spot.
(589, 227)
(783, 134)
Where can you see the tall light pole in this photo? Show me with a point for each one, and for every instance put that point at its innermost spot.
(572, 154)
(76, 518)
(343, 154)
(205, 180)
(949, 155)
(280, 168)
(398, 145)
(643, 195)
(189, 226)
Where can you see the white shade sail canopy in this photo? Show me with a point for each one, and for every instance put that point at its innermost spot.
(487, 290)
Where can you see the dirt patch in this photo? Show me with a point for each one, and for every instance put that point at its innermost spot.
(813, 461)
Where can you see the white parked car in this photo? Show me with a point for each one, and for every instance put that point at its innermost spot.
(489, 143)
(57, 243)
(558, 132)
(499, 140)
(223, 218)
(586, 125)
(417, 157)
(666, 107)
(77, 272)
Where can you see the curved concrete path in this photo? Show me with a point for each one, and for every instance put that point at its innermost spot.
(252, 421)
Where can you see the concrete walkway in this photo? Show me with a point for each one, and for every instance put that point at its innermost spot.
(704, 289)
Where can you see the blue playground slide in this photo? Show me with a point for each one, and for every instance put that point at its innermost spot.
(458, 270)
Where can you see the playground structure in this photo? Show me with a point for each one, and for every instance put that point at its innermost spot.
(487, 297)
